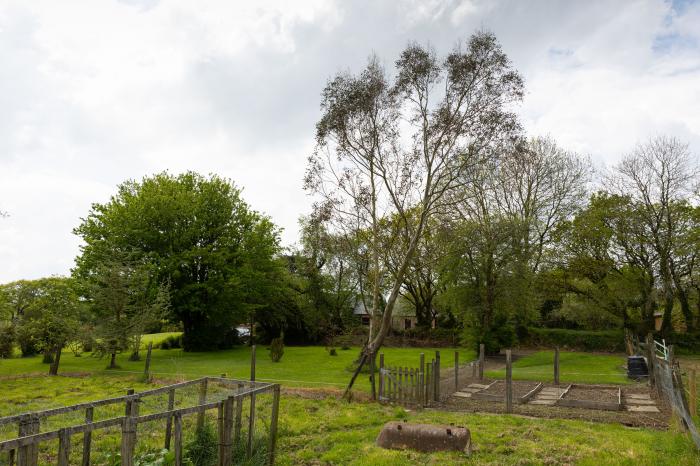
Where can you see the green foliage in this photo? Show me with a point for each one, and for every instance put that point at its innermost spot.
(149, 458)
(202, 238)
(126, 297)
(258, 456)
(277, 349)
(500, 336)
(202, 449)
(51, 320)
(171, 342)
(584, 340)
(7, 341)
(26, 342)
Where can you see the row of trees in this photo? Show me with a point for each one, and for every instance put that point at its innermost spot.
(428, 188)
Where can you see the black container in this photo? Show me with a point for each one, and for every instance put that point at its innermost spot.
(637, 367)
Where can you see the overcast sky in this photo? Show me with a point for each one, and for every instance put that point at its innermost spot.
(95, 92)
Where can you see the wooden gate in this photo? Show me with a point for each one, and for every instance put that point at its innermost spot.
(409, 386)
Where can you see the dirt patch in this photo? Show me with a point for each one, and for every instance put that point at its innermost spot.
(606, 395)
(658, 420)
(520, 388)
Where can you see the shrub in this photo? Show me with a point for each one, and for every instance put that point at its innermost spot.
(685, 342)
(171, 342)
(276, 349)
(584, 340)
(500, 335)
(25, 340)
(202, 449)
(7, 341)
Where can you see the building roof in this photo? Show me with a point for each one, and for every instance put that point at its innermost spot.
(402, 308)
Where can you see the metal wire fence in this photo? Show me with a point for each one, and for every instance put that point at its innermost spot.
(666, 377)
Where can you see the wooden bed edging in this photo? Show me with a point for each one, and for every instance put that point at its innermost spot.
(591, 404)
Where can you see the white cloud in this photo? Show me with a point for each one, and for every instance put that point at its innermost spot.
(97, 91)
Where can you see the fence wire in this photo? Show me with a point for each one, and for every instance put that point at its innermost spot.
(669, 384)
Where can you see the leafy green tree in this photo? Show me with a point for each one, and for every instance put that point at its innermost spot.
(125, 300)
(53, 318)
(201, 238)
(16, 297)
(388, 146)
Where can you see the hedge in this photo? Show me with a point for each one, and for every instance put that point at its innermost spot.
(584, 340)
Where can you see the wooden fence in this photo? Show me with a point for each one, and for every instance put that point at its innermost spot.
(422, 385)
(23, 450)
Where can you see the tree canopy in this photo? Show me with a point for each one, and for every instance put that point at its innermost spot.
(214, 251)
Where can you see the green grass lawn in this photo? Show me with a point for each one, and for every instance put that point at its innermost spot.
(573, 367)
(309, 366)
(330, 431)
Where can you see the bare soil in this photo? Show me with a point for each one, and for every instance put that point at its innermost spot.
(605, 395)
(520, 388)
(658, 420)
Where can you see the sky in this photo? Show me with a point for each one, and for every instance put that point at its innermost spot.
(96, 92)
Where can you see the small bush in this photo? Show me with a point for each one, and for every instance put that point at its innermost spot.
(258, 456)
(202, 449)
(276, 349)
(500, 335)
(7, 341)
(171, 342)
(26, 341)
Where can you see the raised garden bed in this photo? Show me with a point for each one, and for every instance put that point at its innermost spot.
(604, 397)
(496, 391)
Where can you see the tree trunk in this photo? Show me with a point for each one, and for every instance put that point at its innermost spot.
(385, 323)
(648, 306)
(666, 326)
(113, 361)
(53, 369)
(685, 309)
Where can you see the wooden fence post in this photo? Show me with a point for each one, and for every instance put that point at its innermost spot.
(381, 376)
(651, 359)
(128, 436)
(178, 439)
(239, 417)
(421, 380)
(202, 400)
(63, 447)
(428, 382)
(87, 437)
(456, 371)
(251, 417)
(556, 365)
(21, 432)
(437, 376)
(147, 367)
(482, 357)
(129, 403)
(169, 422)
(693, 392)
(273, 424)
(28, 455)
(509, 382)
(220, 427)
(227, 447)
